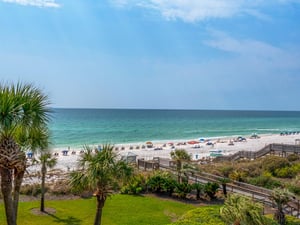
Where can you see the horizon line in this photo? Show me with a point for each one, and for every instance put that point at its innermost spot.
(178, 109)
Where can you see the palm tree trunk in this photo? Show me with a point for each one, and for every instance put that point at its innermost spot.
(280, 216)
(100, 205)
(6, 188)
(198, 194)
(224, 189)
(17, 186)
(42, 208)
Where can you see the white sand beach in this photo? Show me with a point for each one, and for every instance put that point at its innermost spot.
(163, 149)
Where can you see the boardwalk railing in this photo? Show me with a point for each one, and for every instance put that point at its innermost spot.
(281, 149)
(259, 194)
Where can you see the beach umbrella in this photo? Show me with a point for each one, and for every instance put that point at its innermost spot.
(193, 142)
(149, 144)
(201, 139)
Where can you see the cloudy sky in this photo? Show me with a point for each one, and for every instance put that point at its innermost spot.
(170, 54)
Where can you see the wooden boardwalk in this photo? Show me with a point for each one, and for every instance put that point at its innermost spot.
(256, 193)
(282, 150)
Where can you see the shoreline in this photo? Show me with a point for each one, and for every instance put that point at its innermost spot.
(163, 148)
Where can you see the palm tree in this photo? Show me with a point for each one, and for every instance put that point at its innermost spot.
(239, 210)
(101, 173)
(281, 197)
(23, 122)
(223, 181)
(199, 188)
(180, 156)
(47, 161)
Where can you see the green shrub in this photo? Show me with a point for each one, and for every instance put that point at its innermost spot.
(294, 189)
(61, 188)
(136, 185)
(288, 172)
(226, 170)
(208, 215)
(160, 182)
(293, 157)
(211, 189)
(31, 189)
(238, 175)
(132, 189)
(272, 163)
(198, 187)
(292, 220)
(169, 185)
(264, 181)
(183, 189)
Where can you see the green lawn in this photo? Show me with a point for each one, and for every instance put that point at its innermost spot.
(118, 210)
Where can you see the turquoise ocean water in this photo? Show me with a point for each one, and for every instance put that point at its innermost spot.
(76, 127)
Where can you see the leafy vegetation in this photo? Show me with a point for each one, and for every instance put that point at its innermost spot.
(269, 172)
(241, 210)
(206, 215)
(181, 158)
(24, 115)
(101, 173)
(281, 197)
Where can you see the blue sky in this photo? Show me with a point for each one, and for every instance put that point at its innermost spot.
(171, 54)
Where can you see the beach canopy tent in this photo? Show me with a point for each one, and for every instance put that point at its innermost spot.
(193, 142)
(130, 157)
(202, 139)
(149, 144)
(65, 152)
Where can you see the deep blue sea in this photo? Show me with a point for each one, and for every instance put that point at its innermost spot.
(76, 127)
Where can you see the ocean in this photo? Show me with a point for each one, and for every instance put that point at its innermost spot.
(77, 127)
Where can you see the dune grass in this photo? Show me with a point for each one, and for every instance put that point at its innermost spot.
(118, 210)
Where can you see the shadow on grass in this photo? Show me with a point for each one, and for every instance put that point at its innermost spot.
(70, 220)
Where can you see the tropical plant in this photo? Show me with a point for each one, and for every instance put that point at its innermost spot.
(226, 170)
(23, 125)
(223, 181)
(281, 197)
(204, 215)
(169, 185)
(180, 156)
(211, 189)
(47, 161)
(239, 210)
(100, 173)
(161, 181)
(199, 188)
(272, 163)
(136, 185)
(293, 157)
(238, 175)
(182, 189)
(265, 180)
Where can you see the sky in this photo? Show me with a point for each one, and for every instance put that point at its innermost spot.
(155, 54)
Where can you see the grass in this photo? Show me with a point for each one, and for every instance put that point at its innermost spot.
(118, 210)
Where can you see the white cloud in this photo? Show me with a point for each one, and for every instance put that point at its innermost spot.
(197, 10)
(249, 49)
(187, 10)
(37, 3)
